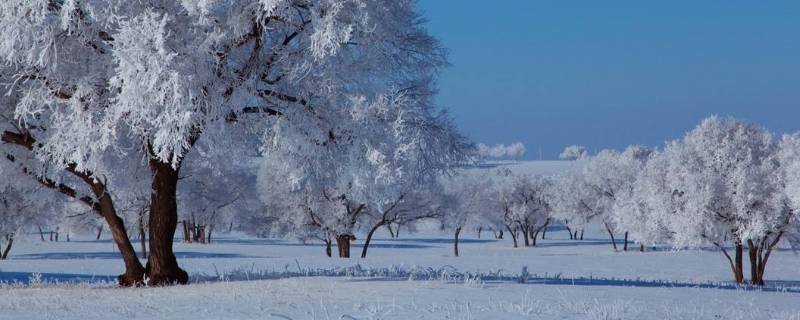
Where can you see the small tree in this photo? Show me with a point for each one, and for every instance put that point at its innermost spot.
(526, 204)
(466, 196)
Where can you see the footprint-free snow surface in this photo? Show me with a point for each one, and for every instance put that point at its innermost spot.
(413, 277)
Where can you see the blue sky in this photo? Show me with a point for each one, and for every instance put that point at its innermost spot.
(607, 74)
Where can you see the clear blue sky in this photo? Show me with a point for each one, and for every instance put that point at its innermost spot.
(607, 74)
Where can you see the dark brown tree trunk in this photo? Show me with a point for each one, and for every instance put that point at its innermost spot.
(41, 233)
(455, 241)
(526, 236)
(625, 246)
(735, 262)
(611, 234)
(99, 232)
(738, 268)
(328, 244)
(570, 233)
(186, 237)
(343, 243)
(544, 230)
(134, 272)
(581, 234)
(753, 252)
(535, 235)
(479, 232)
(500, 237)
(10, 239)
(208, 236)
(513, 236)
(369, 238)
(162, 266)
(391, 231)
(759, 255)
(641, 247)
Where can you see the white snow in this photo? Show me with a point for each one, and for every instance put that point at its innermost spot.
(663, 284)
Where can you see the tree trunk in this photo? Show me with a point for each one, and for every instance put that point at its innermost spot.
(10, 239)
(759, 255)
(391, 231)
(570, 233)
(142, 235)
(625, 246)
(201, 230)
(738, 269)
(186, 236)
(613, 241)
(162, 266)
(328, 244)
(455, 241)
(526, 236)
(581, 234)
(513, 236)
(641, 247)
(369, 238)
(134, 272)
(343, 243)
(99, 232)
(544, 230)
(208, 235)
(41, 233)
(752, 252)
(736, 262)
(479, 232)
(500, 237)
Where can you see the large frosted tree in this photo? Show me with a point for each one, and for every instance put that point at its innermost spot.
(726, 188)
(152, 78)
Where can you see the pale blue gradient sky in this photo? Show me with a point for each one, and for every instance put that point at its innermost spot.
(607, 74)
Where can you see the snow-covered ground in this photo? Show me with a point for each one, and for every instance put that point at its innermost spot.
(568, 280)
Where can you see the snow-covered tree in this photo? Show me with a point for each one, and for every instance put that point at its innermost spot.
(514, 151)
(635, 210)
(155, 77)
(726, 186)
(573, 152)
(381, 153)
(526, 204)
(573, 202)
(789, 156)
(606, 178)
(466, 197)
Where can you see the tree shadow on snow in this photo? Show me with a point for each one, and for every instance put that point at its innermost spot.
(790, 286)
(437, 240)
